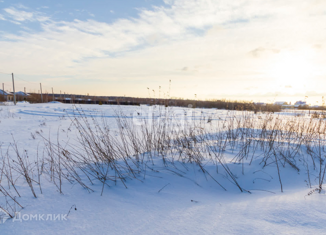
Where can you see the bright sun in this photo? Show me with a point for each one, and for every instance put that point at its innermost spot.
(291, 70)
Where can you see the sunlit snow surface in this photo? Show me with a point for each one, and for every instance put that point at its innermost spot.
(191, 204)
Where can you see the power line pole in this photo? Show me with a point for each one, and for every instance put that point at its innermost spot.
(52, 94)
(25, 90)
(13, 86)
(41, 92)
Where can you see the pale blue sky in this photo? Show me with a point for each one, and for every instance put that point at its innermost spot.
(62, 10)
(258, 50)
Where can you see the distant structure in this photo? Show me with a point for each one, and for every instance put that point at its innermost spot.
(285, 105)
(280, 103)
(300, 103)
(21, 93)
(6, 96)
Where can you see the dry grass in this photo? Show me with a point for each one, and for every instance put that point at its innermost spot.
(101, 154)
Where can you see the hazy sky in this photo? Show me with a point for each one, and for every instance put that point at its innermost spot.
(261, 50)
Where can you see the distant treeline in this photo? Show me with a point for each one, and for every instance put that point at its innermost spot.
(113, 100)
(229, 105)
(306, 107)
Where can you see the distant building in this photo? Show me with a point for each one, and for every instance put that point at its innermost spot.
(21, 93)
(315, 106)
(6, 95)
(300, 103)
(280, 103)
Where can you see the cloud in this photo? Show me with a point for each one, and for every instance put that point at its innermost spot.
(177, 22)
(251, 88)
(215, 29)
(157, 43)
(20, 15)
(260, 51)
(318, 46)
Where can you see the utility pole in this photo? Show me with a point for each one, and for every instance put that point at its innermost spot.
(52, 94)
(13, 86)
(25, 90)
(41, 92)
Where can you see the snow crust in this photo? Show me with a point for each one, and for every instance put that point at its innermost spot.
(192, 204)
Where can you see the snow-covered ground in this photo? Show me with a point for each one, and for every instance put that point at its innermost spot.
(174, 199)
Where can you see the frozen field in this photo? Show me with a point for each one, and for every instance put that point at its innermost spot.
(145, 170)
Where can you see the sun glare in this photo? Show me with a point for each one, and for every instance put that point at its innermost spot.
(292, 70)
